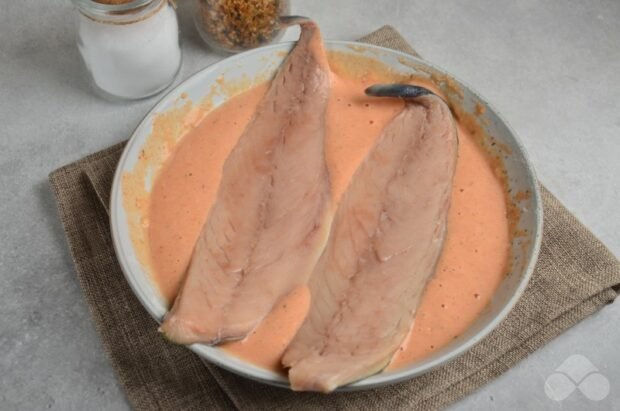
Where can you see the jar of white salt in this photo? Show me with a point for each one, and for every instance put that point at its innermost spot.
(130, 47)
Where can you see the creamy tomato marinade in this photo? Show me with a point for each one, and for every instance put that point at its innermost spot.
(473, 261)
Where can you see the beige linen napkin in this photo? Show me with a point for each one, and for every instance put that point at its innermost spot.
(575, 276)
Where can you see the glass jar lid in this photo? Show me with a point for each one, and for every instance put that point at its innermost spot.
(119, 13)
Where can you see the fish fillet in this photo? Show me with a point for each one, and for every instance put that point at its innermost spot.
(270, 220)
(385, 240)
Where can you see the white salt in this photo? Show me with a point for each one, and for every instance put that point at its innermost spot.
(132, 60)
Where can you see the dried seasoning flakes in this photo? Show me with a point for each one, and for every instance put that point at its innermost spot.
(240, 24)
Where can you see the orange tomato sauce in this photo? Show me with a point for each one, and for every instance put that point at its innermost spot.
(472, 265)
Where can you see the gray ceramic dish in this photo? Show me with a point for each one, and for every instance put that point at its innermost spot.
(261, 63)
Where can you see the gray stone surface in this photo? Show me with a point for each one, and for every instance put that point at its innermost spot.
(552, 68)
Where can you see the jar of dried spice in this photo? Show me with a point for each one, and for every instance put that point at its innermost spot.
(130, 47)
(236, 25)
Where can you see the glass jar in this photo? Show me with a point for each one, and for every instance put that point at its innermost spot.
(130, 47)
(236, 25)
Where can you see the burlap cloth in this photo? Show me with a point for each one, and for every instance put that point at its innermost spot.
(575, 277)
